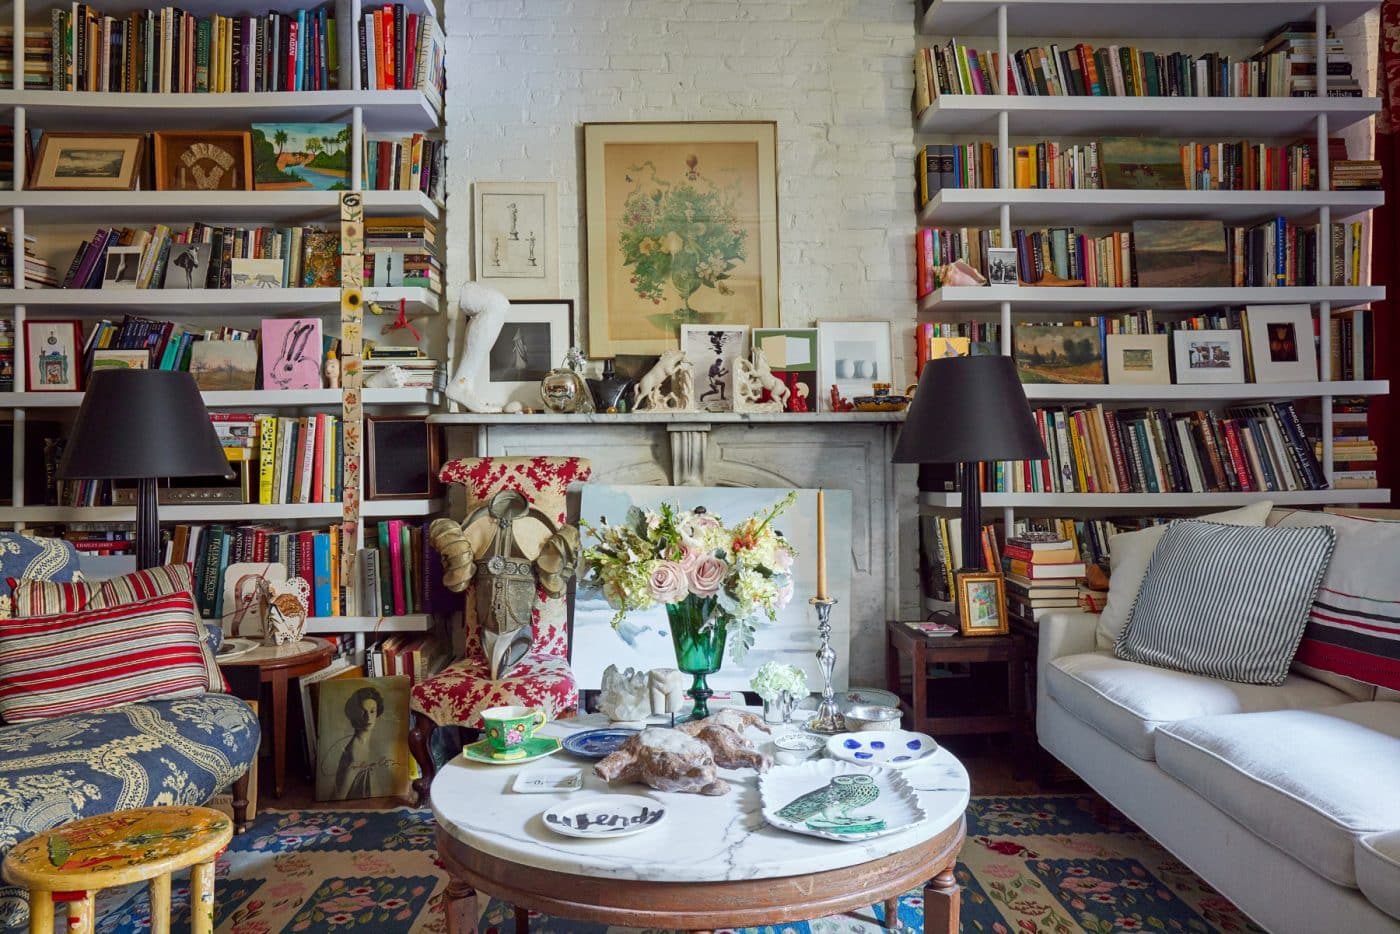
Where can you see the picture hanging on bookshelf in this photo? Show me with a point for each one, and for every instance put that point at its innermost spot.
(1180, 254)
(207, 160)
(1137, 360)
(1140, 163)
(108, 359)
(1281, 343)
(517, 234)
(121, 267)
(88, 161)
(224, 366)
(1059, 353)
(291, 353)
(301, 155)
(52, 362)
(188, 267)
(1209, 357)
(404, 454)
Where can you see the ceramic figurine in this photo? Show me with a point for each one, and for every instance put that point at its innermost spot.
(838, 402)
(391, 377)
(752, 381)
(332, 370)
(564, 390)
(610, 393)
(667, 687)
(797, 401)
(625, 697)
(485, 312)
(668, 386)
(285, 608)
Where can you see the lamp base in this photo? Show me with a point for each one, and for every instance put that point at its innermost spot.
(147, 525)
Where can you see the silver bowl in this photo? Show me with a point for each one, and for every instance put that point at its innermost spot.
(872, 717)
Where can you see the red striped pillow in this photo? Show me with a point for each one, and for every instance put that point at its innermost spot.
(56, 665)
(52, 598)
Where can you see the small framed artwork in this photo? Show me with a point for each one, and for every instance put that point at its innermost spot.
(188, 266)
(291, 353)
(533, 340)
(1208, 356)
(1001, 266)
(1069, 353)
(981, 604)
(248, 273)
(88, 161)
(852, 356)
(404, 455)
(1137, 360)
(713, 350)
(108, 359)
(52, 356)
(207, 160)
(1281, 343)
(289, 156)
(517, 238)
(224, 366)
(121, 266)
(792, 356)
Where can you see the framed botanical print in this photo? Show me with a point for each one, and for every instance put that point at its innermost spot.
(852, 356)
(682, 225)
(52, 356)
(516, 226)
(1281, 346)
(1137, 360)
(533, 340)
(713, 352)
(981, 604)
(69, 161)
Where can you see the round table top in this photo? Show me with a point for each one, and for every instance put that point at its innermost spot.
(703, 839)
(275, 656)
(116, 849)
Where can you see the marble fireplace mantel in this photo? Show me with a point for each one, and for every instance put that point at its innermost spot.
(845, 450)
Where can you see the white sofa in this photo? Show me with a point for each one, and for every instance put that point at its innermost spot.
(1286, 799)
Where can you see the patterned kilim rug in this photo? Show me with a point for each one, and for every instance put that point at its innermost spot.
(1032, 865)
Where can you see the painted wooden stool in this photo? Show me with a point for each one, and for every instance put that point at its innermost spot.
(72, 862)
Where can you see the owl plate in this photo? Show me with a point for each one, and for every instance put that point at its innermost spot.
(896, 749)
(838, 800)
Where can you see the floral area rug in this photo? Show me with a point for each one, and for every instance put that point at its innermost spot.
(1041, 864)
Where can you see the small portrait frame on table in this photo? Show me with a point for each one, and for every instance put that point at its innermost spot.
(981, 604)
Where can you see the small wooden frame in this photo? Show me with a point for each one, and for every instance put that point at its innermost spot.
(203, 160)
(53, 356)
(88, 161)
(981, 604)
(402, 457)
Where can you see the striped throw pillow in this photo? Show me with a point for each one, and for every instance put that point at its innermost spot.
(1227, 601)
(56, 665)
(51, 598)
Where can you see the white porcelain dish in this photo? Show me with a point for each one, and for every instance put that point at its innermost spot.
(838, 800)
(897, 749)
(605, 816)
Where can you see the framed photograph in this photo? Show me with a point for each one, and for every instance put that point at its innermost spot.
(516, 228)
(682, 225)
(1001, 266)
(224, 366)
(1071, 353)
(1180, 254)
(404, 454)
(207, 160)
(300, 156)
(188, 266)
(981, 604)
(362, 738)
(1209, 356)
(291, 353)
(1138, 360)
(120, 267)
(53, 356)
(792, 356)
(852, 356)
(712, 352)
(107, 359)
(534, 339)
(1141, 163)
(1281, 343)
(88, 161)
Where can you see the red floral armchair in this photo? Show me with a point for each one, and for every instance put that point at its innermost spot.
(456, 695)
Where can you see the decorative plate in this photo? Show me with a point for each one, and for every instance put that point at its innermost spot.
(605, 816)
(535, 748)
(548, 781)
(232, 648)
(597, 744)
(838, 800)
(897, 749)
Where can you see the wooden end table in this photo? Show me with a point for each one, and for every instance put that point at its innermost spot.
(922, 650)
(713, 863)
(277, 665)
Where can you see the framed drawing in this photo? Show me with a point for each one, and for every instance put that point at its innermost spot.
(403, 454)
(291, 353)
(1137, 360)
(88, 161)
(534, 339)
(792, 356)
(204, 160)
(516, 228)
(682, 224)
(852, 356)
(53, 361)
(1281, 344)
(1208, 356)
(712, 352)
(981, 604)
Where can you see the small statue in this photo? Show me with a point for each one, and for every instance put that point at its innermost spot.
(797, 402)
(667, 688)
(332, 370)
(485, 312)
(756, 389)
(286, 605)
(669, 386)
(838, 402)
(625, 697)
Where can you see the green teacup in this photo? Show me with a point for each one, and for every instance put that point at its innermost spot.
(508, 729)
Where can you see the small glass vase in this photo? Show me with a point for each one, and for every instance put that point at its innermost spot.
(698, 631)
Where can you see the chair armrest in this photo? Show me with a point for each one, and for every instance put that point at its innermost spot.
(1064, 634)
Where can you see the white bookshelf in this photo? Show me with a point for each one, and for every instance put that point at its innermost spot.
(1147, 19)
(1086, 301)
(1147, 502)
(253, 400)
(980, 207)
(203, 303)
(1183, 393)
(186, 207)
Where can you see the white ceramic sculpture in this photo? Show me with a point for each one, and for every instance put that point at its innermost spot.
(751, 380)
(667, 688)
(391, 377)
(669, 386)
(288, 603)
(485, 312)
(624, 698)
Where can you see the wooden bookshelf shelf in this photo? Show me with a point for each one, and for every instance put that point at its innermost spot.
(1130, 18)
(135, 208)
(186, 303)
(963, 207)
(1175, 394)
(255, 400)
(1185, 117)
(1030, 299)
(399, 508)
(1140, 502)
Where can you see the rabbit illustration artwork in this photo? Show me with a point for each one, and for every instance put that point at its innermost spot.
(291, 353)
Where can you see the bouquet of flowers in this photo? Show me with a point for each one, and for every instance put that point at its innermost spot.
(738, 576)
(774, 679)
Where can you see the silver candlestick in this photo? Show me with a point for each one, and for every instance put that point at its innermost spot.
(829, 719)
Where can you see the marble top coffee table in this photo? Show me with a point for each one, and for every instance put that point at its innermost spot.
(713, 862)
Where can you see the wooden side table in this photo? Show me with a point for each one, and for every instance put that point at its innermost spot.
(904, 642)
(277, 665)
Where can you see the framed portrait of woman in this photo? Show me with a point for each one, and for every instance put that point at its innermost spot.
(362, 738)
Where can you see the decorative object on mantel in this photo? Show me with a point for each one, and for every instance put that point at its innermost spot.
(840, 403)
(883, 401)
(626, 697)
(564, 390)
(839, 801)
(753, 381)
(667, 690)
(829, 718)
(686, 759)
(244, 605)
(611, 392)
(780, 687)
(669, 386)
(485, 312)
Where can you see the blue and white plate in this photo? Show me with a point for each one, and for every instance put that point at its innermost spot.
(597, 744)
(897, 749)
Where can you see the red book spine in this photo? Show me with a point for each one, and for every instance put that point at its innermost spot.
(1115, 447)
(1232, 441)
(306, 559)
(318, 462)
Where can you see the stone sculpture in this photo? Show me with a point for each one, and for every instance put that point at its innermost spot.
(625, 697)
(667, 688)
(669, 386)
(752, 380)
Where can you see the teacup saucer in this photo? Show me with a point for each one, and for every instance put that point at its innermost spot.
(535, 748)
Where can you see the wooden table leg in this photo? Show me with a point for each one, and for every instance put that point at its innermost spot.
(522, 920)
(82, 914)
(279, 732)
(891, 913)
(202, 898)
(919, 715)
(942, 899)
(460, 907)
(159, 888)
(40, 912)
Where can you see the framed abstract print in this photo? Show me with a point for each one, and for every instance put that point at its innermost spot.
(516, 229)
(1281, 347)
(682, 227)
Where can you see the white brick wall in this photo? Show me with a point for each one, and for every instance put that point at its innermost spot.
(834, 74)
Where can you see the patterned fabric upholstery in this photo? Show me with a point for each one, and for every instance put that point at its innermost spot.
(455, 694)
(43, 558)
(154, 753)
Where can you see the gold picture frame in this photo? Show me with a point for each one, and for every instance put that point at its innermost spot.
(982, 604)
(69, 161)
(682, 228)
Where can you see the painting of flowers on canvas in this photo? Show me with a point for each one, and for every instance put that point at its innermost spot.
(682, 229)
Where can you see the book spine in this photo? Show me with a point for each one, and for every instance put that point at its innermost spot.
(321, 571)
(396, 565)
(1237, 457)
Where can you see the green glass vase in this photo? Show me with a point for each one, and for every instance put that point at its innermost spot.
(698, 630)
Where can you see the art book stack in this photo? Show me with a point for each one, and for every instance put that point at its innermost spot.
(401, 49)
(402, 252)
(38, 58)
(1043, 572)
(38, 274)
(1289, 58)
(1354, 452)
(413, 369)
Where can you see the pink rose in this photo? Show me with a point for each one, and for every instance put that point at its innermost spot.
(667, 582)
(690, 558)
(708, 576)
(785, 594)
(782, 560)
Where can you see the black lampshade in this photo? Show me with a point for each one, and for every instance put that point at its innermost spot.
(968, 409)
(142, 424)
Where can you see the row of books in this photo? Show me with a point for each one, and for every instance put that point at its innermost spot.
(299, 459)
(1095, 450)
(404, 163)
(1353, 336)
(1291, 55)
(1043, 574)
(38, 274)
(169, 344)
(392, 570)
(402, 251)
(38, 58)
(1356, 174)
(401, 50)
(311, 555)
(978, 165)
(1354, 451)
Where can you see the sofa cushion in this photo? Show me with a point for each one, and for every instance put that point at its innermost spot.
(1311, 782)
(159, 752)
(1378, 870)
(52, 598)
(1127, 701)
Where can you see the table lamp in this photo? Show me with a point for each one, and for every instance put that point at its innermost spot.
(965, 411)
(143, 425)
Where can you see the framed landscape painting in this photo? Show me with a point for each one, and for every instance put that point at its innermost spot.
(682, 223)
(1059, 353)
(1180, 254)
